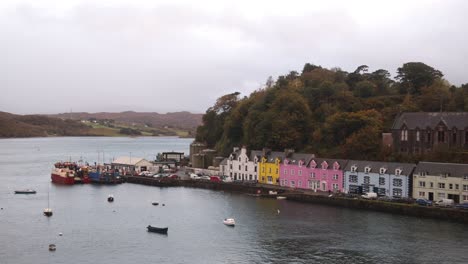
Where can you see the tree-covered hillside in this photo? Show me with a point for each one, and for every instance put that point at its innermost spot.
(329, 112)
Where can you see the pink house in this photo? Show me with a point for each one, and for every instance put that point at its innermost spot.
(313, 174)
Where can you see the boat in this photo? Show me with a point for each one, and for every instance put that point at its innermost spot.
(52, 247)
(155, 203)
(229, 222)
(104, 176)
(110, 198)
(63, 176)
(160, 230)
(27, 191)
(281, 197)
(48, 210)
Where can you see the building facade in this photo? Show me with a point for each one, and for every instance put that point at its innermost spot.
(421, 132)
(435, 181)
(242, 167)
(293, 171)
(269, 166)
(384, 178)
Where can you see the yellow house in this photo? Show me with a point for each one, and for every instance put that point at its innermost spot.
(268, 168)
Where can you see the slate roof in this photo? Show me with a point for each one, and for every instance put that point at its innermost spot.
(330, 162)
(224, 162)
(422, 120)
(296, 157)
(255, 153)
(406, 168)
(436, 168)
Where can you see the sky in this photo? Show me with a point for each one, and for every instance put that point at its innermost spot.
(179, 55)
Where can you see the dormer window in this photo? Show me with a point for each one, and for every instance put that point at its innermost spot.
(367, 169)
(313, 164)
(230, 157)
(255, 159)
(286, 161)
(300, 163)
(397, 171)
(353, 168)
(324, 165)
(404, 135)
(382, 170)
(336, 166)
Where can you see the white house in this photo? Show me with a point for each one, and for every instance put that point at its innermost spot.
(239, 166)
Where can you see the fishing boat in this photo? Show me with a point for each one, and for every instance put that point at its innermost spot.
(102, 175)
(63, 176)
(27, 191)
(52, 247)
(160, 230)
(155, 203)
(48, 211)
(229, 222)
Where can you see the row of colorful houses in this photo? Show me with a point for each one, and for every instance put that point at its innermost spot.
(427, 180)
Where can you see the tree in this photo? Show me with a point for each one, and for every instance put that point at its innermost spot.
(364, 89)
(415, 75)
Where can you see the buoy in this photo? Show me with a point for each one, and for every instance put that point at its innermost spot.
(163, 205)
(60, 234)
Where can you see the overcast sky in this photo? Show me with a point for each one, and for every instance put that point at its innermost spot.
(166, 56)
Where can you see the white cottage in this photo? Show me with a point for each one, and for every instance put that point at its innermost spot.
(239, 166)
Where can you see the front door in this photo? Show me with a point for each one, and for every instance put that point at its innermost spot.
(454, 197)
(431, 196)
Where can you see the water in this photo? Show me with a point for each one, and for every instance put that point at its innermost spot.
(95, 231)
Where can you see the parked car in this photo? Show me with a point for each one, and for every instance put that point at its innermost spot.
(194, 176)
(215, 179)
(445, 202)
(205, 177)
(369, 195)
(462, 206)
(227, 179)
(423, 202)
(174, 176)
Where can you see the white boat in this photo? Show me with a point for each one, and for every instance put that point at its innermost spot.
(281, 197)
(229, 222)
(48, 212)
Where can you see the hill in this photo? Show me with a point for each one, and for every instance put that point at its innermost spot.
(181, 120)
(39, 126)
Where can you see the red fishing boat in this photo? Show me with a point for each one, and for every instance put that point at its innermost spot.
(63, 176)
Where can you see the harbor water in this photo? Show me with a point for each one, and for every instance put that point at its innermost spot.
(266, 231)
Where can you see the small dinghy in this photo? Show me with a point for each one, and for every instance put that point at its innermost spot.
(229, 222)
(155, 203)
(27, 191)
(281, 197)
(48, 212)
(110, 198)
(52, 247)
(160, 230)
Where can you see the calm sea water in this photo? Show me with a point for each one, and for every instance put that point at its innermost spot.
(95, 231)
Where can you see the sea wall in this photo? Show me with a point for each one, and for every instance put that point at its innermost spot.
(446, 214)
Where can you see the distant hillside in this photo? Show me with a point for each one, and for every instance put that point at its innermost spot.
(183, 120)
(39, 126)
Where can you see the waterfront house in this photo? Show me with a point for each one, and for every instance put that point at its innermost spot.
(242, 167)
(422, 132)
(384, 178)
(268, 166)
(293, 170)
(435, 181)
(325, 174)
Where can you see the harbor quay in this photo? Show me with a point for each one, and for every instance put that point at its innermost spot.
(324, 198)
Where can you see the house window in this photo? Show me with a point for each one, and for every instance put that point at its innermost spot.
(431, 184)
(324, 176)
(397, 192)
(354, 178)
(465, 177)
(441, 185)
(270, 179)
(276, 171)
(335, 186)
(441, 195)
(239, 167)
(263, 169)
(299, 183)
(335, 176)
(422, 184)
(422, 194)
(312, 175)
(230, 166)
(245, 167)
(404, 135)
(465, 197)
(454, 137)
(428, 136)
(465, 187)
(397, 172)
(367, 169)
(270, 170)
(324, 186)
(450, 186)
(456, 187)
(285, 171)
(239, 159)
(299, 172)
(353, 168)
(292, 184)
(417, 136)
(381, 181)
(398, 182)
(382, 170)
(366, 179)
(255, 169)
(441, 136)
(292, 172)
